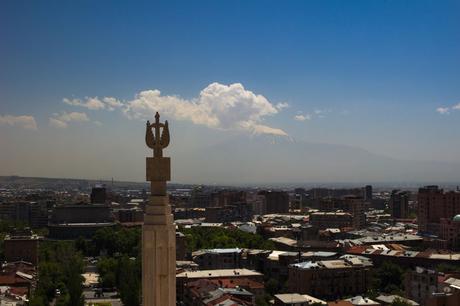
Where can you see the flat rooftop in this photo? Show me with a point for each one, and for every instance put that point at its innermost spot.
(292, 298)
(218, 273)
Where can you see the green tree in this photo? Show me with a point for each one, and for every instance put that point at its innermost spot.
(129, 281)
(116, 241)
(37, 300)
(60, 268)
(207, 238)
(445, 268)
(107, 268)
(81, 245)
(261, 301)
(272, 286)
(74, 283)
(388, 278)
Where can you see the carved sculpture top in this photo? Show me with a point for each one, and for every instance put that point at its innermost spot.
(159, 140)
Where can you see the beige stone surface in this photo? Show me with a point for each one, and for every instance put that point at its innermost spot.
(158, 231)
(158, 169)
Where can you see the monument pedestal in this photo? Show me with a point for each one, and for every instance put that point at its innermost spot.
(159, 265)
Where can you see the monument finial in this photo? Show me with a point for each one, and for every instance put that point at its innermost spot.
(160, 139)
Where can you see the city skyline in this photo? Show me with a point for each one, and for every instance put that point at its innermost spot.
(375, 83)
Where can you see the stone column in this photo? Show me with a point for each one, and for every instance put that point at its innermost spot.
(158, 239)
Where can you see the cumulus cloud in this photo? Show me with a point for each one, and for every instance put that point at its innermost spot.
(63, 119)
(443, 110)
(95, 103)
(25, 122)
(226, 107)
(301, 117)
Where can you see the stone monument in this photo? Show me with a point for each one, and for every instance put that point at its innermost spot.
(158, 231)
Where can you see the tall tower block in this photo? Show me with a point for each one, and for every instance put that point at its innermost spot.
(158, 231)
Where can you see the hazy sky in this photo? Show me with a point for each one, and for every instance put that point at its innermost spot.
(78, 79)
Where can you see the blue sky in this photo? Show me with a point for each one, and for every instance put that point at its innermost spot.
(383, 76)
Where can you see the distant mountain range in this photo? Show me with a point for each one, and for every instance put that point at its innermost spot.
(280, 160)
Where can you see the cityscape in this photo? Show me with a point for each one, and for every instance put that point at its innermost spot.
(331, 177)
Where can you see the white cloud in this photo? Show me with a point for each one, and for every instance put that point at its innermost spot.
(281, 105)
(444, 110)
(301, 117)
(317, 113)
(57, 123)
(227, 107)
(456, 107)
(321, 113)
(25, 122)
(62, 120)
(95, 103)
(112, 103)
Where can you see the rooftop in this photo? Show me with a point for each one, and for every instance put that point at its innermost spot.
(359, 300)
(345, 262)
(292, 298)
(284, 240)
(389, 299)
(218, 273)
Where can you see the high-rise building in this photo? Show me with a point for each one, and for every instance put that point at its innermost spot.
(98, 194)
(368, 193)
(227, 197)
(199, 198)
(277, 202)
(433, 205)
(356, 207)
(399, 204)
(450, 232)
(33, 214)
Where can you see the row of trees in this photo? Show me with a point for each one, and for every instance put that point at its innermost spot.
(123, 273)
(120, 265)
(112, 241)
(60, 269)
(61, 265)
(218, 237)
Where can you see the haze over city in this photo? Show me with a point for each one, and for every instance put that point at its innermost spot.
(262, 92)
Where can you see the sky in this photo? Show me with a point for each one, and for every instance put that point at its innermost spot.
(78, 80)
